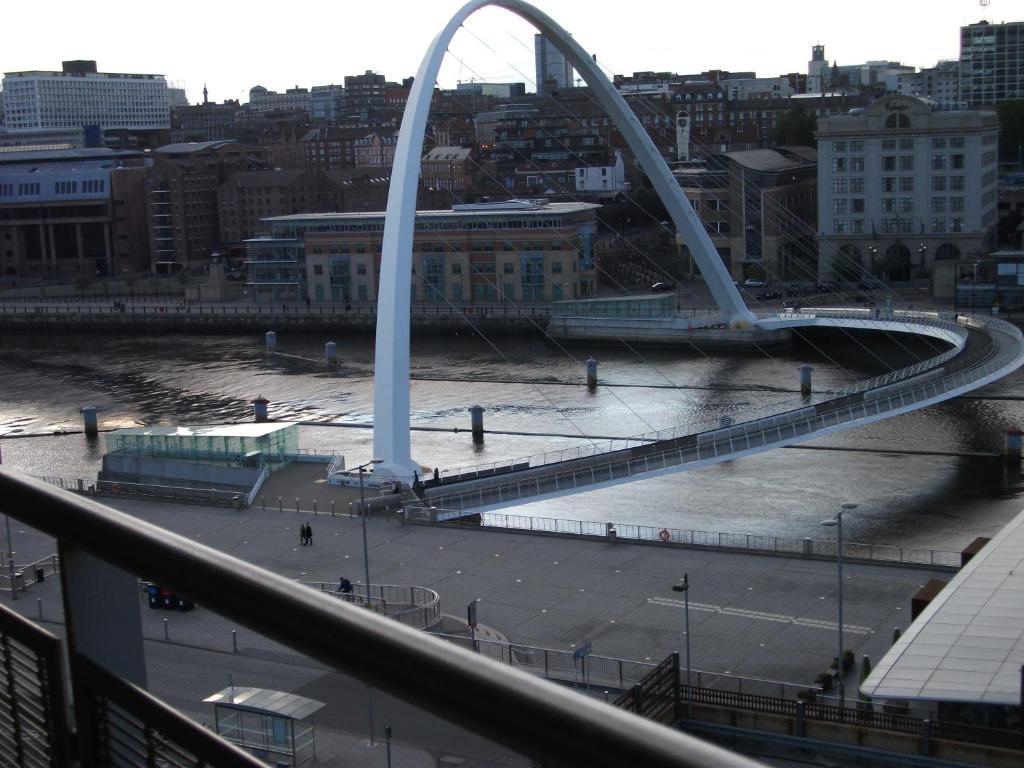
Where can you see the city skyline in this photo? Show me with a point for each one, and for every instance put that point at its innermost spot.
(494, 46)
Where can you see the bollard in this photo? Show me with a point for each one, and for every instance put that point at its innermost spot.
(331, 354)
(259, 409)
(808, 544)
(610, 532)
(271, 341)
(591, 374)
(476, 417)
(332, 507)
(39, 604)
(166, 635)
(1011, 446)
(263, 503)
(314, 507)
(895, 635)
(801, 715)
(296, 505)
(805, 379)
(234, 641)
(280, 504)
(89, 421)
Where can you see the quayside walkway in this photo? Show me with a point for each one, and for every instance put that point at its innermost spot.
(980, 350)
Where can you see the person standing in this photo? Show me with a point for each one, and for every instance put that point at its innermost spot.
(309, 534)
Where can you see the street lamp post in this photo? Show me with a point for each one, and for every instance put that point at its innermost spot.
(366, 566)
(837, 521)
(684, 587)
(362, 512)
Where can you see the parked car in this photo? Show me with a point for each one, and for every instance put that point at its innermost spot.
(751, 282)
(661, 287)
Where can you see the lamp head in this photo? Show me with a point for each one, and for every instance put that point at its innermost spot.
(830, 522)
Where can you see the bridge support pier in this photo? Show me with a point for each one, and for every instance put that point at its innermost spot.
(476, 417)
(259, 409)
(591, 374)
(1011, 446)
(89, 423)
(806, 372)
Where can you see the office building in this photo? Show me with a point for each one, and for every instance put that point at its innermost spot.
(327, 102)
(497, 90)
(523, 251)
(365, 90)
(262, 101)
(991, 62)
(554, 73)
(61, 104)
(902, 185)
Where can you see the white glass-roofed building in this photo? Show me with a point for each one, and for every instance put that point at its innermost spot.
(252, 443)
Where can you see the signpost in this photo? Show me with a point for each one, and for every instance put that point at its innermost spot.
(471, 621)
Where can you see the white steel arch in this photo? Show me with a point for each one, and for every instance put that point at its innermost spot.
(391, 373)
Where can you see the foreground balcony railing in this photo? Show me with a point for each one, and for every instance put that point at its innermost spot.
(102, 553)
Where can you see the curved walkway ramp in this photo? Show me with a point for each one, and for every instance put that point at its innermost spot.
(982, 350)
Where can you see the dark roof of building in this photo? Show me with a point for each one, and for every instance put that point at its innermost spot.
(190, 147)
(764, 160)
(266, 178)
(66, 155)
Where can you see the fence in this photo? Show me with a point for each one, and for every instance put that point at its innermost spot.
(175, 493)
(416, 607)
(27, 574)
(742, 542)
(607, 671)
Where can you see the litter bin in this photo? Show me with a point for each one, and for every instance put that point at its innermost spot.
(40, 574)
(153, 593)
(168, 599)
(19, 580)
(185, 605)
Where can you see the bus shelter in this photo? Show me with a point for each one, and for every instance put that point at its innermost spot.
(274, 726)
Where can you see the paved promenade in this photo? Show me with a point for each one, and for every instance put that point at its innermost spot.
(754, 615)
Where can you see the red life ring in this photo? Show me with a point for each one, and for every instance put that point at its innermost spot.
(664, 535)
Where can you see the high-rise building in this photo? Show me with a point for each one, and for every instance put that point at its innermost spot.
(553, 71)
(991, 62)
(365, 90)
(902, 185)
(817, 70)
(64, 102)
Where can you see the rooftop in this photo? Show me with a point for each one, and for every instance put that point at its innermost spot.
(968, 645)
(211, 430)
(765, 160)
(193, 146)
(265, 701)
(462, 212)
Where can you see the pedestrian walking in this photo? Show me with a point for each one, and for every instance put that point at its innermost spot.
(302, 534)
(309, 534)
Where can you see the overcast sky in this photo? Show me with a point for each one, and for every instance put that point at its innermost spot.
(233, 46)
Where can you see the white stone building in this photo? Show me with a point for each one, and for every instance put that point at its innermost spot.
(901, 185)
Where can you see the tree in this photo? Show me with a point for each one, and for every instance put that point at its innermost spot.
(796, 127)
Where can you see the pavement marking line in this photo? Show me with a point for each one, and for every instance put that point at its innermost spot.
(763, 616)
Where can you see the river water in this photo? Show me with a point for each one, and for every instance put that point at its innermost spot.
(529, 385)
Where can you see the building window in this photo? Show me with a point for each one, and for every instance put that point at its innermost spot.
(906, 143)
(906, 205)
(856, 145)
(856, 165)
(889, 163)
(956, 162)
(857, 186)
(938, 183)
(456, 268)
(888, 184)
(839, 226)
(956, 204)
(856, 226)
(839, 205)
(938, 162)
(888, 145)
(938, 225)
(838, 146)
(897, 120)
(956, 183)
(938, 205)
(938, 143)
(839, 165)
(556, 267)
(906, 184)
(956, 142)
(838, 186)
(889, 204)
(508, 268)
(857, 205)
(956, 224)
(318, 269)
(906, 162)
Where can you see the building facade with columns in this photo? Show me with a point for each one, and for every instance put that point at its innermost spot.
(902, 185)
(72, 214)
(516, 251)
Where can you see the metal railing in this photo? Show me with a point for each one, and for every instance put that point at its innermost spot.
(652, 534)
(33, 720)
(250, 497)
(508, 706)
(27, 574)
(414, 606)
(121, 724)
(946, 322)
(767, 432)
(609, 671)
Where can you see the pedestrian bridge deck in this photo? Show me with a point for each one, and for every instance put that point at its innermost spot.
(981, 350)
